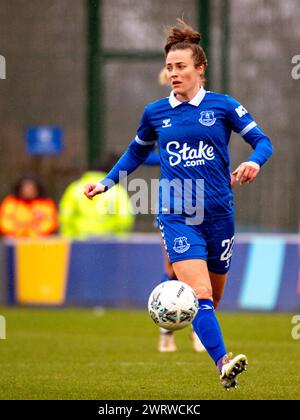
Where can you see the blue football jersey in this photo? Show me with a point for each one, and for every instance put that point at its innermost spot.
(193, 139)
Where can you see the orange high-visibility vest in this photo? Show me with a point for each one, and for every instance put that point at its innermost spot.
(20, 218)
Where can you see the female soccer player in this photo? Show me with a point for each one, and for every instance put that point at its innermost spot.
(166, 341)
(193, 128)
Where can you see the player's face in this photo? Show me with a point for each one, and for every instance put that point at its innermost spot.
(184, 77)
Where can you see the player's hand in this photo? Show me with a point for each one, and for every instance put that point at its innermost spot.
(246, 172)
(90, 190)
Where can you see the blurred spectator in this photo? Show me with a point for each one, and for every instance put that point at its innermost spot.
(27, 213)
(108, 214)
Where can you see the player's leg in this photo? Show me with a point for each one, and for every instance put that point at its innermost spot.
(167, 340)
(183, 242)
(218, 282)
(195, 273)
(190, 248)
(220, 238)
(168, 266)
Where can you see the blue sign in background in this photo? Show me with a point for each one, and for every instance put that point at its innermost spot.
(124, 272)
(44, 140)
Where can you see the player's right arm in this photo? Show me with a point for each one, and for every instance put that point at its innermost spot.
(153, 159)
(90, 190)
(135, 155)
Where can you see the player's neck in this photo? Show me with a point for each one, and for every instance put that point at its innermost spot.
(187, 96)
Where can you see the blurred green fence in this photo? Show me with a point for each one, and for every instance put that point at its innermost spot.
(46, 47)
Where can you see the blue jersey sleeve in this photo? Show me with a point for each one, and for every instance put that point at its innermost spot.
(242, 122)
(135, 155)
(146, 134)
(153, 159)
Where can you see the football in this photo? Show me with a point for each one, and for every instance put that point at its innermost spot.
(173, 305)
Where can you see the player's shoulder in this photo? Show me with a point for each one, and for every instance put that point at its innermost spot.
(158, 106)
(221, 98)
(223, 101)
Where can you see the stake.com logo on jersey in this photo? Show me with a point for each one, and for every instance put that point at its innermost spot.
(191, 156)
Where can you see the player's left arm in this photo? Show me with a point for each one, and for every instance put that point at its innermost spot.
(243, 123)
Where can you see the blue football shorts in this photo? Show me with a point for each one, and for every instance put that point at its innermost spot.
(212, 240)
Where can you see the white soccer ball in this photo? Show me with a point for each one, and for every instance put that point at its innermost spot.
(173, 305)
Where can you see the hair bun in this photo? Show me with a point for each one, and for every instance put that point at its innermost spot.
(184, 34)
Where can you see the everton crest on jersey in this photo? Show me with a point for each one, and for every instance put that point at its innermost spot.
(207, 118)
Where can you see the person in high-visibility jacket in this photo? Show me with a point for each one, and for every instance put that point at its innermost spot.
(27, 213)
(110, 214)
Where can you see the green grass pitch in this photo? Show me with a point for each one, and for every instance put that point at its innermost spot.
(111, 354)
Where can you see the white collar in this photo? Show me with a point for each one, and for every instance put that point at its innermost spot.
(196, 100)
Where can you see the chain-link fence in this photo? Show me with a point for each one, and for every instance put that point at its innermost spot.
(45, 45)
